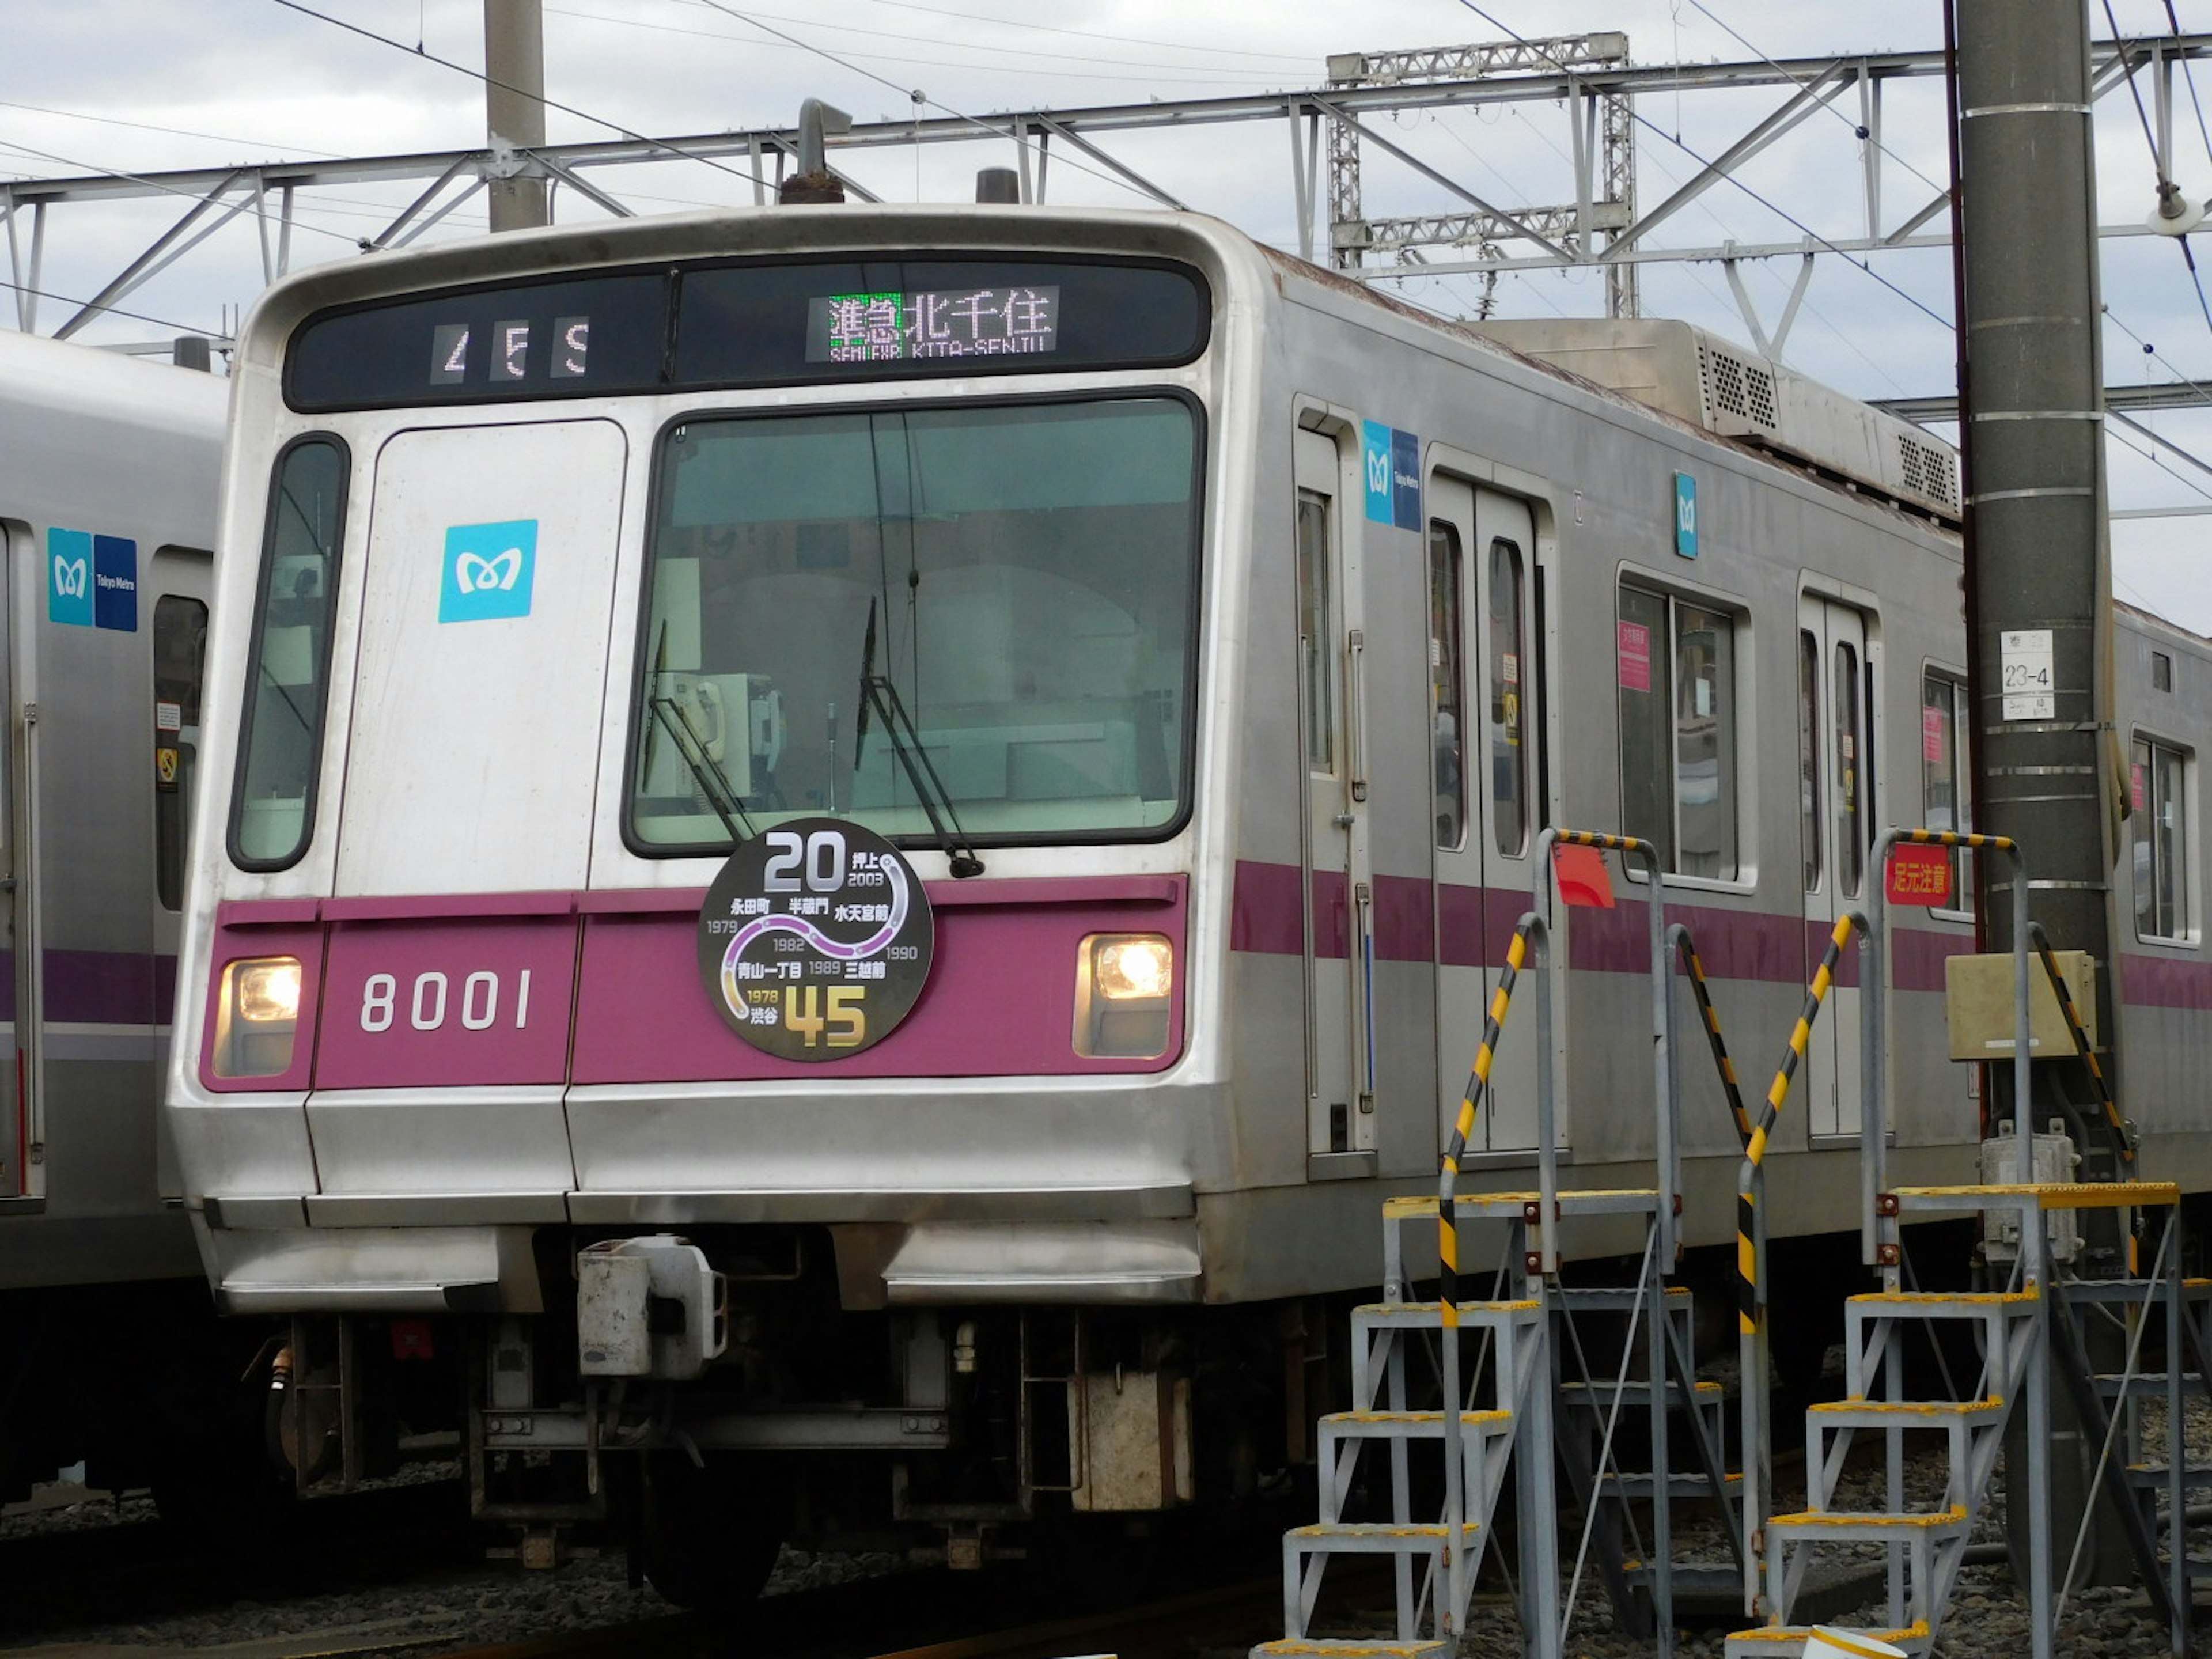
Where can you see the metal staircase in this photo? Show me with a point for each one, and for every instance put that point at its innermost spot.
(2025, 1332)
(1528, 1387)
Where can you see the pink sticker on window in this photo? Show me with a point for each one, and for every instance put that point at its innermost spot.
(1934, 729)
(1634, 645)
(2135, 801)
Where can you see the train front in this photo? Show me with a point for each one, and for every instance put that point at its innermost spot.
(871, 544)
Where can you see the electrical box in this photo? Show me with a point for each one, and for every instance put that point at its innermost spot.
(2008, 1161)
(1978, 1004)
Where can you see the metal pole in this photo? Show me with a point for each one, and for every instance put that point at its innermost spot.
(2042, 584)
(514, 106)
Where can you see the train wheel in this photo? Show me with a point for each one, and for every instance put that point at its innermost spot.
(707, 1538)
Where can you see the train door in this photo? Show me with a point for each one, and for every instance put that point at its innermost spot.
(1479, 559)
(178, 640)
(20, 1177)
(1835, 730)
(1339, 921)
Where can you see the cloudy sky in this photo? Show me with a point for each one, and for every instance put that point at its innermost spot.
(126, 86)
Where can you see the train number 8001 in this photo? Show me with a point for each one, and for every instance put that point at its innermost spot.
(432, 1001)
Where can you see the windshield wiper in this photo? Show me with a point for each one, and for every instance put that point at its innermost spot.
(878, 694)
(714, 782)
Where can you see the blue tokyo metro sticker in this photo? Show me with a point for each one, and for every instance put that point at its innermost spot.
(487, 571)
(92, 581)
(1391, 464)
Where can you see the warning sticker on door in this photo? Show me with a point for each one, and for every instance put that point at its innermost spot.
(1633, 646)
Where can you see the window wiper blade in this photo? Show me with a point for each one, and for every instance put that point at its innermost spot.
(878, 694)
(713, 781)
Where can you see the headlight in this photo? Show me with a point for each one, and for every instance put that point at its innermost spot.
(1140, 966)
(268, 990)
(1122, 1004)
(258, 1018)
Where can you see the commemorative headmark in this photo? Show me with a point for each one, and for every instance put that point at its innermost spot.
(815, 940)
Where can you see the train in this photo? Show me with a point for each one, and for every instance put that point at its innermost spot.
(849, 844)
(110, 1354)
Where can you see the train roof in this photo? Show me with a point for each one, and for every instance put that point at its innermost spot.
(1683, 372)
(42, 381)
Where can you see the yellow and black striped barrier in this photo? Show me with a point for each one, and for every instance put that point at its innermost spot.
(2041, 940)
(1957, 838)
(1687, 950)
(1754, 1152)
(1477, 1081)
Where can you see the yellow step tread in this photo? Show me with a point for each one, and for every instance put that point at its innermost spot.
(2062, 1194)
(1910, 1407)
(1965, 1299)
(1915, 1631)
(1955, 1516)
(1399, 1209)
(1522, 1304)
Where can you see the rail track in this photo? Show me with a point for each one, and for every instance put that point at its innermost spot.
(807, 1626)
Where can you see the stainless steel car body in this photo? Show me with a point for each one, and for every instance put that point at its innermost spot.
(1333, 962)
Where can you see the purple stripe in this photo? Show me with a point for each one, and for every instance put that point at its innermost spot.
(1264, 912)
(1404, 918)
(1460, 912)
(100, 987)
(1332, 914)
(1474, 927)
(2151, 981)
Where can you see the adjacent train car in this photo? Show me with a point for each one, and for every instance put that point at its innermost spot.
(109, 469)
(875, 830)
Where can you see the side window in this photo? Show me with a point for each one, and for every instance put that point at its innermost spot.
(1809, 755)
(180, 640)
(2158, 776)
(1315, 633)
(1509, 756)
(1850, 843)
(1447, 685)
(1945, 787)
(1675, 668)
(272, 803)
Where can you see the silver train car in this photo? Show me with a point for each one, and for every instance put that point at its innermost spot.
(877, 830)
(109, 1350)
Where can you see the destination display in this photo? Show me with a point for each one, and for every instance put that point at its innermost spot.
(815, 940)
(758, 323)
(896, 327)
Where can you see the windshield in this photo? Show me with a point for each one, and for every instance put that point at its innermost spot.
(1020, 575)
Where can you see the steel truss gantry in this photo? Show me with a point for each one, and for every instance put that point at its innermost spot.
(1588, 75)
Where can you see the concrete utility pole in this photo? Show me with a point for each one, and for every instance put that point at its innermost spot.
(2039, 568)
(514, 106)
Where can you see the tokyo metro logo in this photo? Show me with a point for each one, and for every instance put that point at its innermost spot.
(92, 581)
(488, 571)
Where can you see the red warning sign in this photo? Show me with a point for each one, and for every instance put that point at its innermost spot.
(1919, 874)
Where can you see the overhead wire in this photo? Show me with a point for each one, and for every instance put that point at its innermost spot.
(1250, 76)
(2158, 160)
(1912, 300)
(489, 80)
(916, 93)
(173, 132)
(20, 149)
(113, 311)
(1861, 133)
(1087, 34)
